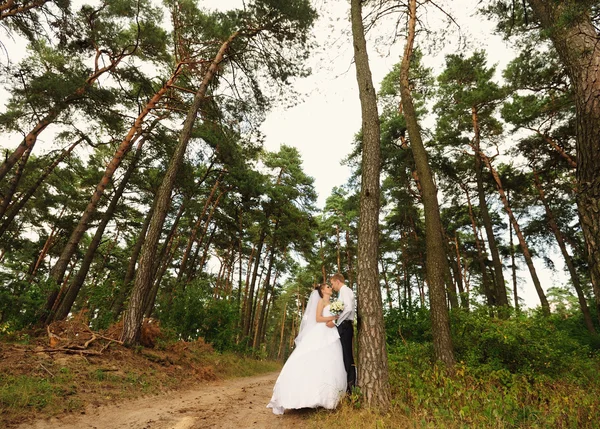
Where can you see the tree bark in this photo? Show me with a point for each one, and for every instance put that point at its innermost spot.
(13, 183)
(119, 302)
(16, 207)
(437, 264)
(31, 138)
(143, 281)
(58, 270)
(524, 247)
(480, 246)
(576, 41)
(568, 260)
(66, 303)
(373, 375)
(500, 296)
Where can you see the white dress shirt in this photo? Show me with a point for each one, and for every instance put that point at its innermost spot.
(346, 296)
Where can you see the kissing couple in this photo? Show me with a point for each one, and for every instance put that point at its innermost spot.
(321, 368)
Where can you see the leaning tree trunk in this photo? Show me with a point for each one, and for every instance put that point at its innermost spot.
(575, 38)
(13, 183)
(437, 264)
(524, 247)
(500, 296)
(568, 260)
(58, 270)
(31, 137)
(373, 377)
(119, 301)
(480, 246)
(143, 281)
(17, 206)
(247, 317)
(64, 307)
(267, 287)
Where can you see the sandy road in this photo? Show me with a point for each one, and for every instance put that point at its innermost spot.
(237, 403)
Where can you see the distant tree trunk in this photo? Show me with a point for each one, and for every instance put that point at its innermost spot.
(143, 280)
(268, 286)
(522, 242)
(386, 283)
(575, 38)
(322, 253)
(437, 264)
(250, 296)
(499, 297)
(280, 350)
(193, 235)
(563, 248)
(464, 299)
(372, 356)
(164, 258)
(451, 288)
(16, 207)
(245, 302)
(66, 303)
(48, 243)
(349, 259)
(480, 246)
(512, 259)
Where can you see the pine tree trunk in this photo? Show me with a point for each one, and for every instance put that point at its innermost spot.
(13, 183)
(31, 138)
(266, 291)
(66, 303)
(500, 298)
(437, 264)
(119, 302)
(386, 283)
(480, 246)
(568, 260)
(464, 299)
(280, 350)
(349, 259)
(193, 235)
(513, 259)
(16, 207)
(372, 356)
(576, 41)
(143, 280)
(47, 244)
(250, 296)
(58, 270)
(522, 242)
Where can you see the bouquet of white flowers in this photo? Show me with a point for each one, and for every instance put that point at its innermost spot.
(336, 308)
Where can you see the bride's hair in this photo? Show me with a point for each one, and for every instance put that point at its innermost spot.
(319, 288)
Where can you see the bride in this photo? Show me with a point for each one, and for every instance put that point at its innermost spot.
(314, 374)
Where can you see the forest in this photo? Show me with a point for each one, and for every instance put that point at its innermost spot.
(135, 188)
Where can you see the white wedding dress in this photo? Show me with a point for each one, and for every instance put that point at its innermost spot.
(314, 374)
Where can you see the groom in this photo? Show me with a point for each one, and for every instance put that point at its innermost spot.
(344, 326)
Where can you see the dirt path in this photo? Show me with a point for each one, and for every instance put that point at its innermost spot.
(237, 403)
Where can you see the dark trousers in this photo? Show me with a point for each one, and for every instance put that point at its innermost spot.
(346, 331)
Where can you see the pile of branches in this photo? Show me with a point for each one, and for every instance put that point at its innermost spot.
(74, 336)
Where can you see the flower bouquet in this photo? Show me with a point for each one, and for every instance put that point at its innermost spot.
(336, 308)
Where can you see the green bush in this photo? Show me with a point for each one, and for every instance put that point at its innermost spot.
(524, 344)
(194, 314)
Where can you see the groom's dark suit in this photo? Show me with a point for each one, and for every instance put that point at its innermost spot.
(346, 330)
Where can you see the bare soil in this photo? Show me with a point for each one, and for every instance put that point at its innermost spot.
(233, 403)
